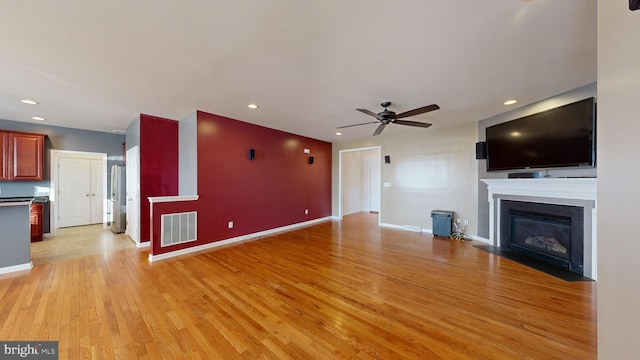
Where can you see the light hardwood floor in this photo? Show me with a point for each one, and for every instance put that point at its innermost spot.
(76, 242)
(334, 290)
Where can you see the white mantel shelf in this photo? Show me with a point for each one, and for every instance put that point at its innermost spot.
(546, 188)
(562, 188)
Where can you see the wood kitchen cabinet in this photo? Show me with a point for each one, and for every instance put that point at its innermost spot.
(22, 156)
(36, 218)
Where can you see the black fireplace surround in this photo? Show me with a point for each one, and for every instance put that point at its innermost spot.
(550, 233)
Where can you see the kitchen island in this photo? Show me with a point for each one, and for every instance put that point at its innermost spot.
(15, 238)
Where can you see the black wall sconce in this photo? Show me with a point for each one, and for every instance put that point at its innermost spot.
(310, 160)
(387, 159)
(252, 154)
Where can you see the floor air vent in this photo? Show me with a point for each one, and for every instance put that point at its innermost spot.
(178, 228)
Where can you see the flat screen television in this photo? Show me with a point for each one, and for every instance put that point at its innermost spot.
(560, 137)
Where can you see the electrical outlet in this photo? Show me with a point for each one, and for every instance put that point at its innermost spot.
(230, 224)
(306, 211)
(466, 222)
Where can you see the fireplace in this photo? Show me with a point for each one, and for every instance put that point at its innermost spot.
(574, 192)
(550, 233)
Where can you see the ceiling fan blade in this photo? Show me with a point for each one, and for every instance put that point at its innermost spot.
(418, 111)
(367, 123)
(412, 123)
(379, 129)
(370, 113)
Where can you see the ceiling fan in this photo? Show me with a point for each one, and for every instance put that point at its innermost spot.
(387, 117)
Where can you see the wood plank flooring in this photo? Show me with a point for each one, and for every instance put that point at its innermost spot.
(336, 290)
(76, 242)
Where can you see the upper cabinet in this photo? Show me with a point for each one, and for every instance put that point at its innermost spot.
(22, 156)
(4, 156)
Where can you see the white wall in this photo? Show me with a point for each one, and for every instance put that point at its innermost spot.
(352, 179)
(431, 169)
(618, 179)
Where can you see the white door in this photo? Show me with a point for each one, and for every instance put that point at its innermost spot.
(374, 187)
(74, 179)
(133, 194)
(97, 191)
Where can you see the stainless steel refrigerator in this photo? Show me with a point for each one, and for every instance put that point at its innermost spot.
(118, 198)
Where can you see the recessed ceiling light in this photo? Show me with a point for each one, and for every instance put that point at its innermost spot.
(510, 102)
(38, 118)
(252, 106)
(338, 133)
(30, 102)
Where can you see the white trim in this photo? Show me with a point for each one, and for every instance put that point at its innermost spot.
(161, 199)
(562, 188)
(391, 226)
(478, 238)
(55, 156)
(145, 244)
(171, 254)
(14, 268)
(430, 231)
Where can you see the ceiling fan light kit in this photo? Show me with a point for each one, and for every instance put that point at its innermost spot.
(387, 117)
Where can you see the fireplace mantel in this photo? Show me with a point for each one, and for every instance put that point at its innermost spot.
(561, 188)
(547, 190)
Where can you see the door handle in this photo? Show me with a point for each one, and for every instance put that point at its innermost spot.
(87, 195)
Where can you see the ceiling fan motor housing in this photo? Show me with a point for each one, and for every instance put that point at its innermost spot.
(387, 115)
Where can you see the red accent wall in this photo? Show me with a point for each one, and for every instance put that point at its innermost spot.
(271, 191)
(158, 164)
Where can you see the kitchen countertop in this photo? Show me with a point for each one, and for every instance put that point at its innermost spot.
(21, 199)
(12, 201)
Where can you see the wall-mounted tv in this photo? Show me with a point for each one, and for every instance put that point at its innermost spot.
(560, 137)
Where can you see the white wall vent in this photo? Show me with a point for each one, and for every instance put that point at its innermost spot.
(178, 228)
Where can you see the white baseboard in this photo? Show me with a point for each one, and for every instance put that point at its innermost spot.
(478, 238)
(14, 268)
(143, 245)
(212, 245)
(392, 226)
(430, 231)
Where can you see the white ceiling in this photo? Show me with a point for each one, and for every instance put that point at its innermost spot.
(97, 65)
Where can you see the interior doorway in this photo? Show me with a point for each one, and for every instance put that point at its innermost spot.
(359, 181)
(78, 193)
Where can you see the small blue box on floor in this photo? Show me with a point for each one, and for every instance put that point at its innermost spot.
(442, 222)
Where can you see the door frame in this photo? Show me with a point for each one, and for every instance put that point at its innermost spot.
(54, 186)
(133, 192)
(340, 172)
